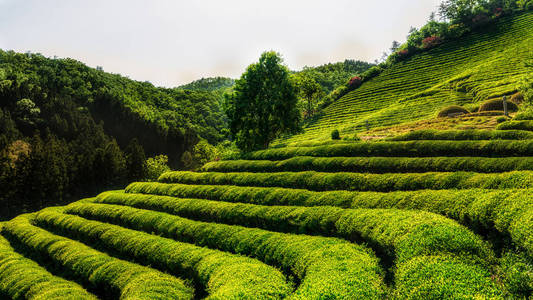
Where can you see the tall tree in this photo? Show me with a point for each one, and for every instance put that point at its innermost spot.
(135, 161)
(263, 104)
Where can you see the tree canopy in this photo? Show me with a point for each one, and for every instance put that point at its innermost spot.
(263, 104)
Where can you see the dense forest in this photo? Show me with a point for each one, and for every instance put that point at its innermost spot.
(68, 130)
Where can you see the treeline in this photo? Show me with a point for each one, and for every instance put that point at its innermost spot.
(68, 130)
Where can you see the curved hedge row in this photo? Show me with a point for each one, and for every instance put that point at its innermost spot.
(110, 275)
(516, 125)
(327, 267)
(510, 212)
(375, 164)
(494, 148)
(22, 278)
(317, 181)
(222, 275)
(457, 135)
(402, 235)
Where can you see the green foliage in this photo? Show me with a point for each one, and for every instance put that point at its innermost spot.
(508, 211)
(494, 148)
(327, 267)
(318, 181)
(335, 135)
(453, 109)
(22, 278)
(459, 135)
(263, 105)
(155, 166)
(135, 161)
(203, 152)
(221, 275)
(109, 275)
(516, 125)
(497, 104)
(309, 92)
(209, 84)
(525, 113)
(419, 87)
(409, 234)
(375, 164)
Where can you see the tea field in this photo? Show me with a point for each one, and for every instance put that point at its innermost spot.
(485, 64)
(431, 214)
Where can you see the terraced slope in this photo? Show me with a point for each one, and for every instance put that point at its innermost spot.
(276, 226)
(477, 67)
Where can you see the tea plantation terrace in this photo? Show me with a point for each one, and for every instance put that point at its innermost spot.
(409, 218)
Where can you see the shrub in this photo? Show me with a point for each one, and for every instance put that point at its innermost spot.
(112, 276)
(327, 267)
(335, 135)
(223, 275)
(155, 166)
(493, 148)
(524, 114)
(22, 278)
(376, 164)
(516, 125)
(451, 110)
(401, 235)
(354, 82)
(497, 104)
(501, 119)
(507, 211)
(456, 135)
(431, 42)
(387, 182)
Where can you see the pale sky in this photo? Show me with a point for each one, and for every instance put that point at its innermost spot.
(174, 42)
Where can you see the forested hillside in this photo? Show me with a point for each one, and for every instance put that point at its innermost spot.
(67, 129)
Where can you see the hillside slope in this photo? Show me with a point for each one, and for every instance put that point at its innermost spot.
(407, 219)
(484, 64)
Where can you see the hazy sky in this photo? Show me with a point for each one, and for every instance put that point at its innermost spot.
(174, 42)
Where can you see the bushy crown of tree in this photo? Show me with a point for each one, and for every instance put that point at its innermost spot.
(263, 104)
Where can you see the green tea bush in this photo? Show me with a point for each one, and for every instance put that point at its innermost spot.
(451, 110)
(326, 267)
(524, 114)
(222, 275)
(335, 135)
(22, 278)
(501, 119)
(409, 234)
(509, 212)
(110, 275)
(432, 134)
(387, 182)
(495, 148)
(516, 125)
(497, 104)
(375, 164)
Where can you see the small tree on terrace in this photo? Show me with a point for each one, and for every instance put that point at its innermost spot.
(309, 91)
(263, 104)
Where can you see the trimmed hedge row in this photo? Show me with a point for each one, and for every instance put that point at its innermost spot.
(222, 275)
(327, 267)
(457, 135)
(510, 212)
(110, 275)
(375, 164)
(22, 278)
(317, 181)
(516, 125)
(494, 148)
(404, 235)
